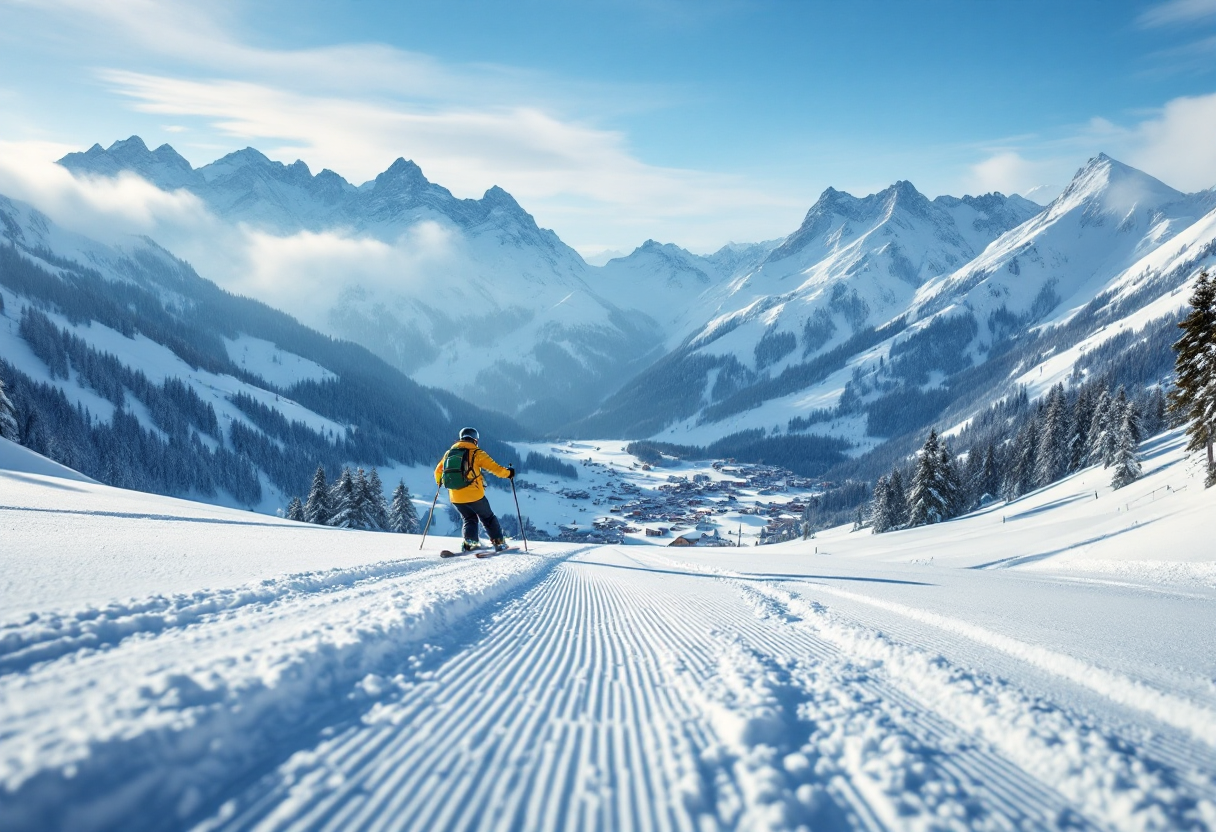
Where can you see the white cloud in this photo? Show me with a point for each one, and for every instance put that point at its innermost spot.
(301, 273)
(304, 273)
(1009, 172)
(1176, 145)
(102, 208)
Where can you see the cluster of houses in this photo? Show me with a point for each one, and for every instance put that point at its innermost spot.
(688, 510)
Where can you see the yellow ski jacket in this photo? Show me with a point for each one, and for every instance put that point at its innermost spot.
(481, 460)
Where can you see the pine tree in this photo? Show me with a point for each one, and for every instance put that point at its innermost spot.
(972, 477)
(1102, 431)
(378, 506)
(1126, 463)
(1155, 419)
(1193, 398)
(1129, 419)
(1082, 416)
(345, 502)
(402, 516)
(990, 476)
(8, 416)
(806, 522)
(1051, 455)
(318, 508)
(951, 484)
(928, 499)
(897, 508)
(1019, 478)
(363, 510)
(295, 510)
(880, 506)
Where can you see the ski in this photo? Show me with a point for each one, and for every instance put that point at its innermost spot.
(448, 553)
(487, 553)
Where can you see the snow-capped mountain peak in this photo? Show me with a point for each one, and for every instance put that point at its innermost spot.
(164, 167)
(1107, 185)
(1109, 216)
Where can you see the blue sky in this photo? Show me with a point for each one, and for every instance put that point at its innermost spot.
(618, 120)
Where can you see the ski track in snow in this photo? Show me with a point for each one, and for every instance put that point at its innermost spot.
(596, 688)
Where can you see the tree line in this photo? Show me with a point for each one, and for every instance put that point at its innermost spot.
(1021, 448)
(355, 500)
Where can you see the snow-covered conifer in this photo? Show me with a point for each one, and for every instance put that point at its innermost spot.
(898, 505)
(402, 516)
(806, 523)
(928, 499)
(1154, 416)
(377, 509)
(1102, 431)
(1082, 416)
(1126, 463)
(318, 508)
(972, 475)
(8, 416)
(362, 511)
(345, 502)
(1019, 478)
(951, 484)
(880, 506)
(1194, 396)
(295, 510)
(1051, 455)
(990, 476)
(1129, 420)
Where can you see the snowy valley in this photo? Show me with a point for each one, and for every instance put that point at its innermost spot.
(881, 525)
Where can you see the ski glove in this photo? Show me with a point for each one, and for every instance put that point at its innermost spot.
(510, 472)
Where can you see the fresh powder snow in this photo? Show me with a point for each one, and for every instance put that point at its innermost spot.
(1044, 663)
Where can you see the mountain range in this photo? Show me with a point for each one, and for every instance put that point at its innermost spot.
(517, 320)
(878, 317)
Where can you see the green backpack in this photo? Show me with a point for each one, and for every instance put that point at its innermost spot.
(458, 468)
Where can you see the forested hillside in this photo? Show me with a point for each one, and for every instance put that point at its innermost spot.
(176, 413)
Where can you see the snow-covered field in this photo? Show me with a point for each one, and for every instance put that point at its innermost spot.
(172, 665)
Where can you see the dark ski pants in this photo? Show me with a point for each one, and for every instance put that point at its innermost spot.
(479, 510)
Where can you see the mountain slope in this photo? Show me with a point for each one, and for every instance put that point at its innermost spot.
(1109, 217)
(127, 366)
(494, 308)
(853, 265)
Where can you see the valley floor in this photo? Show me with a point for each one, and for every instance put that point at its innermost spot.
(173, 666)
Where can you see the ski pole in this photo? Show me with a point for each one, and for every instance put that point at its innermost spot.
(429, 516)
(522, 533)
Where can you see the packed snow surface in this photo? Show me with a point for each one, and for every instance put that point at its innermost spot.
(1045, 664)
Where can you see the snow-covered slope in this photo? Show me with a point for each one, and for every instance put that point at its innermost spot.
(168, 666)
(667, 282)
(854, 264)
(1109, 217)
(863, 325)
(125, 364)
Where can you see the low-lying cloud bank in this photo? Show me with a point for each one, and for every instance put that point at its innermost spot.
(302, 273)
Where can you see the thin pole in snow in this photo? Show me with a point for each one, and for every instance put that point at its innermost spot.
(429, 516)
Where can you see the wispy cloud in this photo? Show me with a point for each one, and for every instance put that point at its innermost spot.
(356, 107)
(1177, 12)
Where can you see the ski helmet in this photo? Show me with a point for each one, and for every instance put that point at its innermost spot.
(469, 434)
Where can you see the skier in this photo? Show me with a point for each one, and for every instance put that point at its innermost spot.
(460, 470)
